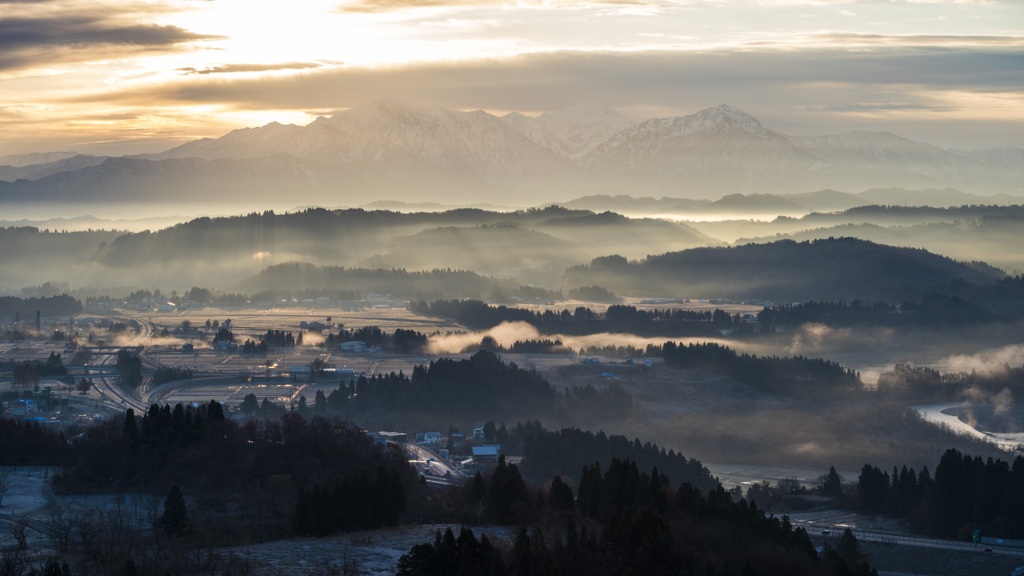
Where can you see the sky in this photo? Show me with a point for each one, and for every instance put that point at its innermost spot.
(133, 76)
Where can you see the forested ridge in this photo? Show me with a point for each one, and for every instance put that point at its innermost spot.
(775, 374)
(965, 494)
(466, 391)
(625, 521)
(834, 268)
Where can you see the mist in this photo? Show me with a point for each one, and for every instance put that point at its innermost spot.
(508, 333)
(994, 361)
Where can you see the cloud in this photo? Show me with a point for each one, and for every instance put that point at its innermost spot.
(960, 97)
(909, 40)
(377, 6)
(808, 86)
(544, 81)
(237, 68)
(64, 37)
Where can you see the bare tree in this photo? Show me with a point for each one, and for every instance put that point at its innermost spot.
(61, 526)
(20, 535)
(5, 482)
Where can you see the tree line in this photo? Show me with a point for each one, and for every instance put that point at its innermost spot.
(921, 382)
(932, 309)
(966, 493)
(771, 373)
(401, 340)
(624, 521)
(466, 391)
(551, 453)
(479, 315)
(28, 372)
(26, 308)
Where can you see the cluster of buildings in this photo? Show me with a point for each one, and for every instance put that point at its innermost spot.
(467, 454)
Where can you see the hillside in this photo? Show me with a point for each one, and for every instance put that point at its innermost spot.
(843, 268)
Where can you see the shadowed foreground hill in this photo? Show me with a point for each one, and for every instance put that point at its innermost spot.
(842, 268)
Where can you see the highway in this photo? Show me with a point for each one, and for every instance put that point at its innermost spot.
(114, 395)
(435, 469)
(816, 530)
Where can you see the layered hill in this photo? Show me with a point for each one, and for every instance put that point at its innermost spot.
(401, 151)
(533, 245)
(843, 268)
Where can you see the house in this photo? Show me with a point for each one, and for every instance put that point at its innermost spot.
(432, 438)
(486, 454)
(478, 433)
(353, 346)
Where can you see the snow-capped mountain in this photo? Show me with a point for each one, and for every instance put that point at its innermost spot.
(381, 133)
(722, 150)
(401, 151)
(570, 132)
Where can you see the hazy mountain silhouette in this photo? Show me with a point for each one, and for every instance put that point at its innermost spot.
(402, 151)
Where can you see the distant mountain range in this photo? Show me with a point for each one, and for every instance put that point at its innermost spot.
(400, 151)
(747, 205)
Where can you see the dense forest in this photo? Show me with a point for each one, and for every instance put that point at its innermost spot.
(625, 521)
(783, 375)
(467, 392)
(556, 453)
(25, 309)
(235, 481)
(966, 494)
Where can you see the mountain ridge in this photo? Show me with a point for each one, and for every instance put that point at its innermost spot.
(406, 151)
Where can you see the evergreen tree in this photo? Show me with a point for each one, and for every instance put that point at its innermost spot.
(130, 429)
(560, 495)
(250, 405)
(175, 519)
(848, 548)
(215, 412)
(320, 403)
(832, 483)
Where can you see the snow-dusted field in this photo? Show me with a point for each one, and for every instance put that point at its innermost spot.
(373, 553)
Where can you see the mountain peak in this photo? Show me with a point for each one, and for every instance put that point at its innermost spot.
(724, 118)
(388, 107)
(580, 111)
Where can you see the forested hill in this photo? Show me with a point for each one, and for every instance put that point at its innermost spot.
(534, 246)
(346, 237)
(397, 282)
(835, 268)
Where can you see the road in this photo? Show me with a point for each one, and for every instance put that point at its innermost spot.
(817, 529)
(114, 395)
(434, 468)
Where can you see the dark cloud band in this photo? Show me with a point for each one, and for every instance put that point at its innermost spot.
(26, 41)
